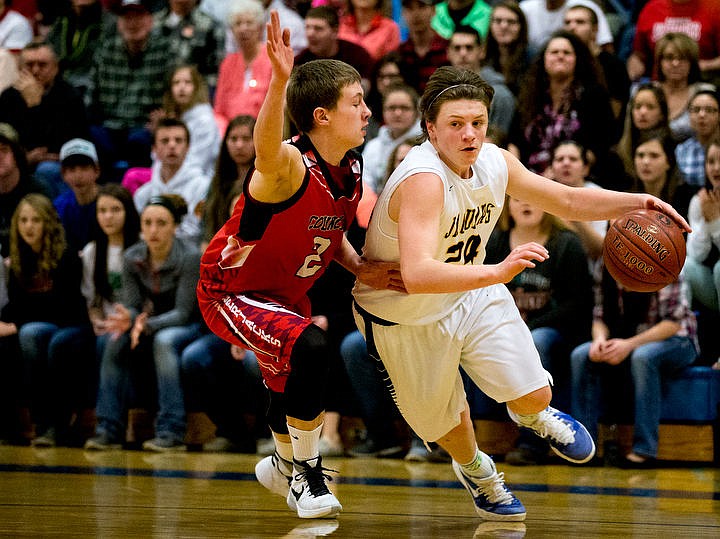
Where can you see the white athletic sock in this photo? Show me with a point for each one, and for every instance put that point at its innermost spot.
(524, 420)
(305, 443)
(481, 466)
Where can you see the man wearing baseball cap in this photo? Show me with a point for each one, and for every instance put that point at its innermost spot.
(77, 206)
(124, 6)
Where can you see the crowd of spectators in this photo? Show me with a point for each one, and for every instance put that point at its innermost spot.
(126, 134)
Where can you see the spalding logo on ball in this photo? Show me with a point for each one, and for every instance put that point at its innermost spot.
(644, 250)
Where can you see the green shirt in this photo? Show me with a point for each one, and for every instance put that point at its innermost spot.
(478, 18)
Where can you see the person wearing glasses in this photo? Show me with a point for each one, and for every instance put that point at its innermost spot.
(704, 112)
(401, 119)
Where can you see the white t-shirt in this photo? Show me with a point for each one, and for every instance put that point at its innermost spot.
(114, 269)
(543, 22)
(470, 210)
(15, 31)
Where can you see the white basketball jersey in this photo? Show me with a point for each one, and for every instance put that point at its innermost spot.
(470, 210)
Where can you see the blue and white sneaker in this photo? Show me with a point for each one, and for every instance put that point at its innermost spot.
(492, 499)
(566, 435)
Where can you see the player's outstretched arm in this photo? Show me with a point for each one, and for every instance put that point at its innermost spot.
(279, 169)
(579, 203)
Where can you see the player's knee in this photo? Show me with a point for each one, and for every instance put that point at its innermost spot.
(533, 402)
(307, 381)
(310, 357)
(310, 349)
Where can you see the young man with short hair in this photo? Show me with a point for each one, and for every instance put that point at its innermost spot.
(321, 28)
(583, 22)
(173, 174)
(424, 50)
(286, 228)
(466, 50)
(77, 207)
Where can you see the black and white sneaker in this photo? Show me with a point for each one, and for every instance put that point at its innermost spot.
(274, 474)
(309, 494)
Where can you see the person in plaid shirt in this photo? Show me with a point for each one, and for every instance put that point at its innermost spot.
(704, 109)
(425, 50)
(196, 37)
(127, 83)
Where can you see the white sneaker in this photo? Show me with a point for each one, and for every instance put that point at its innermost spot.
(270, 475)
(309, 494)
(311, 529)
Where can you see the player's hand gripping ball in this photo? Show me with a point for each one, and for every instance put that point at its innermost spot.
(644, 250)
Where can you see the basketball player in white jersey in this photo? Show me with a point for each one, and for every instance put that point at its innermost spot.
(434, 217)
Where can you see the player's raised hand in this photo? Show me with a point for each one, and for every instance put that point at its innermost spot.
(281, 54)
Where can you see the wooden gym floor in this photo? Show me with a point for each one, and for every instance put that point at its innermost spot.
(73, 493)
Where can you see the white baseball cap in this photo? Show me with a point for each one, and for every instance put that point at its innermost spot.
(78, 147)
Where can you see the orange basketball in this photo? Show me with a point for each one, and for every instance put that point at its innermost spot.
(644, 250)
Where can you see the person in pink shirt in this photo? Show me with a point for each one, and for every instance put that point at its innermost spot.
(365, 24)
(244, 76)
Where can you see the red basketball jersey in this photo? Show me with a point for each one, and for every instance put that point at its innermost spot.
(277, 251)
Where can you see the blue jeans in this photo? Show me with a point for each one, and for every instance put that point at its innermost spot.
(120, 149)
(703, 283)
(58, 364)
(650, 364)
(378, 409)
(222, 386)
(115, 382)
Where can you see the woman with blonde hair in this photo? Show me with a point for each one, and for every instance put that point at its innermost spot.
(47, 311)
(187, 99)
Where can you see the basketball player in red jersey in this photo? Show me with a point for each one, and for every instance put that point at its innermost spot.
(286, 228)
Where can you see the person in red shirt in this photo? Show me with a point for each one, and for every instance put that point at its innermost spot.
(424, 50)
(286, 228)
(700, 19)
(366, 25)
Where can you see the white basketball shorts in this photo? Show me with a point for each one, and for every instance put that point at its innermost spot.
(485, 335)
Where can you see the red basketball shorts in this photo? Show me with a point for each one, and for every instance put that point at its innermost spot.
(261, 326)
